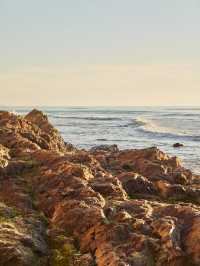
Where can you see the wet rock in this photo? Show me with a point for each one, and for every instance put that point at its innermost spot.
(178, 145)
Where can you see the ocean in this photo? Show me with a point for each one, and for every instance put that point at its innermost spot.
(130, 127)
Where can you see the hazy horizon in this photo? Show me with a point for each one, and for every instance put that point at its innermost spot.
(100, 53)
(100, 106)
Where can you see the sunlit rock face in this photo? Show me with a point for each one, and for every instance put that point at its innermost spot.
(106, 207)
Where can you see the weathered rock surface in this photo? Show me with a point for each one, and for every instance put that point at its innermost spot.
(4, 156)
(106, 207)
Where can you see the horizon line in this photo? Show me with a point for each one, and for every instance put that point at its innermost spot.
(90, 106)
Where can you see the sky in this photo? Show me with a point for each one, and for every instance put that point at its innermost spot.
(99, 52)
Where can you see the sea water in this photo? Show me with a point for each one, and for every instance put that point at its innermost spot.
(130, 127)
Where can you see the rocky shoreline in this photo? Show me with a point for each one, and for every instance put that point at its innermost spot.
(105, 207)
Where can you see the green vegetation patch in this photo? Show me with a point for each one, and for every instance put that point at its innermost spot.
(63, 253)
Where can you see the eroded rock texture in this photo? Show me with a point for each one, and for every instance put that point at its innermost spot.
(105, 207)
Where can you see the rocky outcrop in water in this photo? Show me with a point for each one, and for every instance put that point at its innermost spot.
(178, 145)
(106, 207)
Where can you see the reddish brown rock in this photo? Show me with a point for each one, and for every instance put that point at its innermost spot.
(101, 207)
(51, 137)
(135, 184)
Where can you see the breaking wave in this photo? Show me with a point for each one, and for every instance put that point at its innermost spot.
(148, 126)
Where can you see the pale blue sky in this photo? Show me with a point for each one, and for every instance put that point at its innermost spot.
(66, 46)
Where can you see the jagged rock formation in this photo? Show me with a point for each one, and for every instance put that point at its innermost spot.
(106, 207)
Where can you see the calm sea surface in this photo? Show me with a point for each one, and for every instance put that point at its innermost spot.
(130, 127)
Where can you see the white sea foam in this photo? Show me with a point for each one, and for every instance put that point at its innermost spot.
(151, 126)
